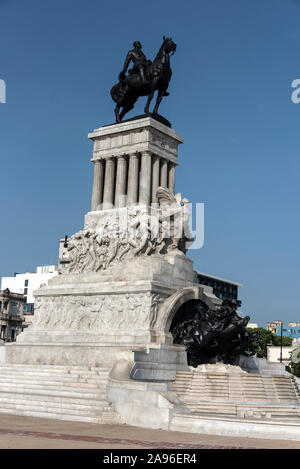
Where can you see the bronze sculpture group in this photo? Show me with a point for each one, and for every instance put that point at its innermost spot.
(144, 78)
(213, 335)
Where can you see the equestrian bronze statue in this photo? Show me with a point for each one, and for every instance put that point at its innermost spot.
(143, 79)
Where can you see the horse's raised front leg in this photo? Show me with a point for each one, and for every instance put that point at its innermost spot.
(146, 110)
(158, 101)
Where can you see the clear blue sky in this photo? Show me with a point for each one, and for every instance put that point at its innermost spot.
(230, 101)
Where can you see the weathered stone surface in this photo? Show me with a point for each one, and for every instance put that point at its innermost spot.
(136, 136)
(122, 305)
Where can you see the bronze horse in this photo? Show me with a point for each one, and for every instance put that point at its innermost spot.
(158, 74)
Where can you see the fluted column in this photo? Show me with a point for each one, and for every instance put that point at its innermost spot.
(109, 183)
(145, 178)
(133, 179)
(121, 182)
(171, 171)
(155, 177)
(97, 185)
(164, 174)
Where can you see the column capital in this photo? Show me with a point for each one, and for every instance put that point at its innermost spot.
(146, 152)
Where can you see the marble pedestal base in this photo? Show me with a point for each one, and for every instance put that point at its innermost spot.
(97, 318)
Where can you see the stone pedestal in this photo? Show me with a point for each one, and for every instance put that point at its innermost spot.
(79, 315)
(147, 147)
(119, 272)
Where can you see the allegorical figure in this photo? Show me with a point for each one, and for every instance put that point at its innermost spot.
(139, 60)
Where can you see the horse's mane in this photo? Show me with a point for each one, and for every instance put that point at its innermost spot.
(159, 53)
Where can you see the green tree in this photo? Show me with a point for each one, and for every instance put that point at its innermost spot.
(264, 338)
(286, 341)
(267, 338)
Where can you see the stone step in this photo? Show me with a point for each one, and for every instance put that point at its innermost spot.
(79, 409)
(277, 412)
(104, 419)
(57, 379)
(278, 409)
(236, 388)
(90, 387)
(55, 376)
(53, 368)
(67, 393)
(47, 392)
(54, 398)
(196, 410)
(52, 387)
(54, 381)
(87, 375)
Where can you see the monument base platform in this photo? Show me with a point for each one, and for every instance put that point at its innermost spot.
(95, 319)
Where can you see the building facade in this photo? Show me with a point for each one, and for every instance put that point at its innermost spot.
(275, 353)
(11, 315)
(25, 284)
(222, 288)
(252, 325)
(291, 330)
(273, 326)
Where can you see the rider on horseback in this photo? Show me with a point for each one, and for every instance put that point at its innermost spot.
(139, 60)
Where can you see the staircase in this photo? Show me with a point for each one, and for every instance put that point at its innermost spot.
(243, 395)
(60, 392)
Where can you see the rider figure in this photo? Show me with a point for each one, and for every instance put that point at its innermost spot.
(139, 60)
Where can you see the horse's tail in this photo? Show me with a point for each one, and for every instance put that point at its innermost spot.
(115, 93)
(118, 92)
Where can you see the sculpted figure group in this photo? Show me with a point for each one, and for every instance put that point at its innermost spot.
(214, 334)
(141, 233)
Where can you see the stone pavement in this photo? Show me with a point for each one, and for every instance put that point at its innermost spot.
(17, 432)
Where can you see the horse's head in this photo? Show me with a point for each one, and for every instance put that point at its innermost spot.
(169, 45)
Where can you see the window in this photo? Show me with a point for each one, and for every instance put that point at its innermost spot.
(25, 291)
(26, 283)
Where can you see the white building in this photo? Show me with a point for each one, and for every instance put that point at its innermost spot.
(273, 354)
(27, 283)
